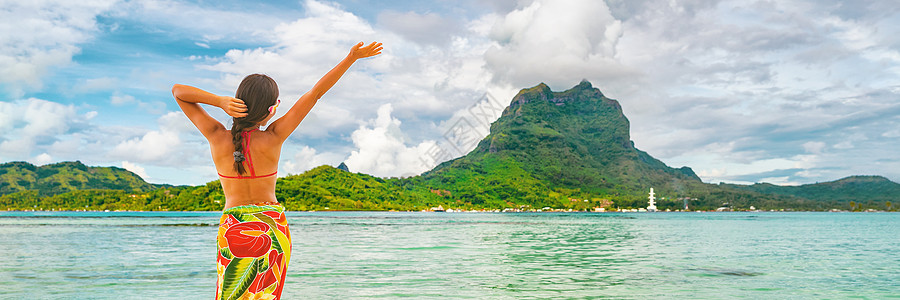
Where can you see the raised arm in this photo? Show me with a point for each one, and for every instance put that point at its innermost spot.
(188, 99)
(284, 126)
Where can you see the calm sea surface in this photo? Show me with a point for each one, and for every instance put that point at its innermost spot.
(340, 255)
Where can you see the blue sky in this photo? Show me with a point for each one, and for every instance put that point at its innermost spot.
(787, 92)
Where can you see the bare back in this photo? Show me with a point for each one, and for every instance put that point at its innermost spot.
(265, 150)
(265, 147)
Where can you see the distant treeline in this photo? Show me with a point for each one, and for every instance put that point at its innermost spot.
(328, 188)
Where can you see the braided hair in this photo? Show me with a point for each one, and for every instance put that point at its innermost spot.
(258, 92)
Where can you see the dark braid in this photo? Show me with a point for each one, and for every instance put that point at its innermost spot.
(258, 92)
(238, 140)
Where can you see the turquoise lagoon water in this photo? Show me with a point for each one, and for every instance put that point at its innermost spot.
(341, 255)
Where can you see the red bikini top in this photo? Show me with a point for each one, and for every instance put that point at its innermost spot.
(248, 159)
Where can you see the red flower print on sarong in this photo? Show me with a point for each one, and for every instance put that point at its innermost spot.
(271, 275)
(248, 239)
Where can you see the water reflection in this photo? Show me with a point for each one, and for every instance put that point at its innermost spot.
(566, 252)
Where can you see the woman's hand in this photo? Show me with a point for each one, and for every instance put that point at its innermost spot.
(359, 51)
(233, 106)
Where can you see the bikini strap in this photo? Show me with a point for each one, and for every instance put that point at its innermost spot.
(246, 135)
(248, 159)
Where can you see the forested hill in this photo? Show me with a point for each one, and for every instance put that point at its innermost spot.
(865, 189)
(567, 150)
(54, 179)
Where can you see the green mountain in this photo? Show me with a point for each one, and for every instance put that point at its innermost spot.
(576, 142)
(64, 177)
(569, 150)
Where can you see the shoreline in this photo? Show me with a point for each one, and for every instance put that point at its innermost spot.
(479, 211)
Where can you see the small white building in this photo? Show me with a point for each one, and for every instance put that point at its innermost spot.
(652, 202)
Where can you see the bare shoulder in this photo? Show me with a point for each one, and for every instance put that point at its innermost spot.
(220, 137)
(269, 137)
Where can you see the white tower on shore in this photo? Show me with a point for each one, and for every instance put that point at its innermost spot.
(652, 202)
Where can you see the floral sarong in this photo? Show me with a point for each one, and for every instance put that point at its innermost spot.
(254, 245)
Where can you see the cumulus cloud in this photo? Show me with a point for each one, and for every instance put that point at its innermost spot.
(33, 124)
(176, 121)
(153, 146)
(36, 36)
(382, 150)
(175, 151)
(136, 169)
(42, 159)
(306, 159)
(556, 42)
(423, 84)
(304, 50)
(420, 81)
(176, 142)
(772, 82)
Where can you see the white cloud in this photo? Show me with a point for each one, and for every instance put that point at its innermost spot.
(558, 42)
(36, 36)
(176, 121)
(424, 84)
(306, 159)
(136, 169)
(76, 147)
(42, 159)
(121, 99)
(304, 50)
(30, 124)
(17, 149)
(719, 170)
(382, 151)
(781, 180)
(762, 78)
(45, 118)
(176, 143)
(152, 146)
(712, 173)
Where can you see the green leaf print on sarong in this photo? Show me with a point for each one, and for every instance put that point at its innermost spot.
(239, 276)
